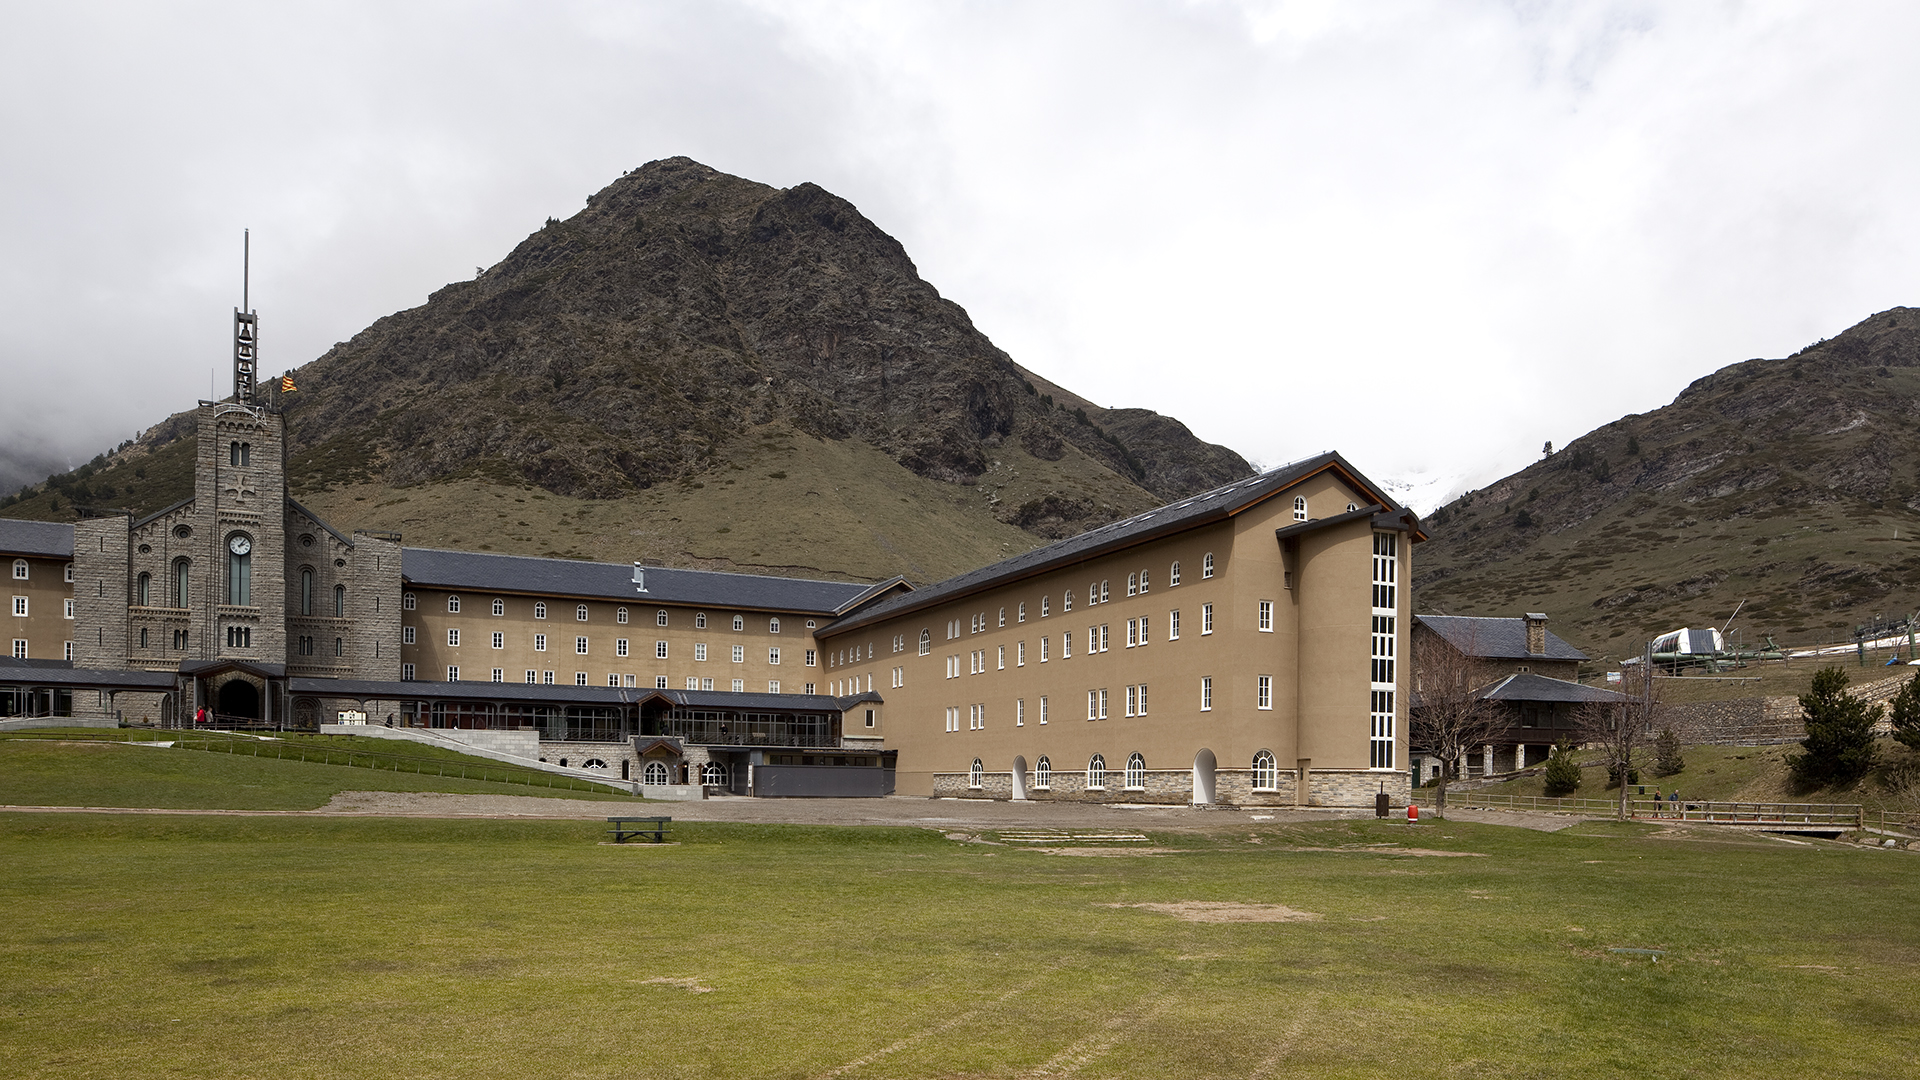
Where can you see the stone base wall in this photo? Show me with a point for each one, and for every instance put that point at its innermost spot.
(1231, 787)
(576, 752)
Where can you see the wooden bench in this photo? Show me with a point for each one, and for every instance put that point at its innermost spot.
(626, 828)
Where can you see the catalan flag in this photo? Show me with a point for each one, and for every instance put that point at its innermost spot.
(286, 384)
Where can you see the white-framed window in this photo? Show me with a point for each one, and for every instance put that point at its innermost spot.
(699, 650)
(532, 676)
(580, 613)
(975, 773)
(739, 622)
(1096, 773)
(453, 604)
(656, 774)
(546, 678)
(926, 641)
(1003, 616)
(1130, 700)
(580, 646)
(1299, 508)
(812, 657)
(1263, 693)
(407, 602)
(1380, 744)
(1093, 593)
(1206, 693)
(453, 636)
(739, 654)
(406, 635)
(1381, 711)
(977, 717)
(540, 609)
(773, 655)
(499, 606)
(899, 677)
(953, 718)
(20, 606)
(659, 650)
(579, 678)
(67, 573)
(1043, 773)
(620, 615)
(699, 620)
(1019, 712)
(499, 640)
(1173, 624)
(1266, 773)
(1093, 639)
(1044, 642)
(1103, 637)
(693, 683)
(953, 666)
(453, 673)
(1145, 634)
(773, 626)
(406, 672)
(659, 617)
(1136, 775)
(1043, 708)
(1266, 616)
(1206, 619)
(1021, 612)
(739, 686)
(659, 682)
(1173, 574)
(619, 646)
(499, 675)
(979, 662)
(539, 643)
(1103, 590)
(1066, 600)
(1133, 584)
(773, 686)
(22, 571)
(1143, 582)
(1046, 605)
(1206, 565)
(1019, 654)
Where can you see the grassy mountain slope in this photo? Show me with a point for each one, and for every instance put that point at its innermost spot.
(1792, 484)
(697, 369)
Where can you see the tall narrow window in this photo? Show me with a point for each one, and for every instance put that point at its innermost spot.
(499, 606)
(1133, 584)
(1136, 772)
(1266, 774)
(1097, 773)
(142, 590)
(1206, 565)
(1173, 625)
(1266, 616)
(1206, 693)
(181, 576)
(1206, 619)
(1043, 773)
(339, 601)
(1143, 581)
(1382, 675)
(306, 591)
(1263, 694)
(1173, 574)
(1299, 508)
(240, 570)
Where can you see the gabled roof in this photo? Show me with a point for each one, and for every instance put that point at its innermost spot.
(1527, 686)
(1205, 508)
(1495, 638)
(475, 572)
(158, 514)
(320, 521)
(46, 539)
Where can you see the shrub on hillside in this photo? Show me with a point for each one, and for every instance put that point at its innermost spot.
(1613, 776)
(1839, 743)
(1563, 773)
(1906, 714)
(1666, 754)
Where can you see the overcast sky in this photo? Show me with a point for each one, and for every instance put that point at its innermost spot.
(1431, 235)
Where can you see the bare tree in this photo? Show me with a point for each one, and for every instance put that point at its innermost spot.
(1620, 729)
(1449, 717)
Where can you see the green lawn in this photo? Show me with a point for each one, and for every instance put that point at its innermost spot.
(322, 947)
(45, 772)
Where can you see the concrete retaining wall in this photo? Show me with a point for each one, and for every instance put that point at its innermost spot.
(1231, 787)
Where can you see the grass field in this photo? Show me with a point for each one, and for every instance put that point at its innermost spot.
(326, 947)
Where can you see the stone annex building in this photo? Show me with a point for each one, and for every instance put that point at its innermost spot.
(1238, 646)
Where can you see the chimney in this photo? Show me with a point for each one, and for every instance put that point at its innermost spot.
(640, 578)
(1536, 634)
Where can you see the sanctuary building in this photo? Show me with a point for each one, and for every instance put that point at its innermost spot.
(1241, 645)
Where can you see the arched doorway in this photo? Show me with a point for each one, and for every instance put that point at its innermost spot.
(1203, 766)
(1019, 777)
(239, 698)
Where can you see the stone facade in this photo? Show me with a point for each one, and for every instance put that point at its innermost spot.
(1232, 787)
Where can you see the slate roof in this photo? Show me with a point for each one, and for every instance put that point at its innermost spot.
(1495, 638)
(1528, 686)
(1209, 506)
(48, 539)
(477, 572)
(557, 694)
(28, 673)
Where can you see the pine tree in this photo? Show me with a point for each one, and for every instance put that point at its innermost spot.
(1906, 714)
(1563, 773)
(1666, 754)
(1839, 743)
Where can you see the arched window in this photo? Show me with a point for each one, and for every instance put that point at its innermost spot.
(143, 589)
(1173, 576)
(773, 626)
(339, 601)
(1096, 772)
(580, 613)
(1136, 772)
(540, 610)
(656, 774)
(181, 577)
(699, 620)
(1299, 508)
(1133, 584)
(593, 763)
(714, 774)
(1206, 565)
(975, 773)
(739, 622)
(1043, 773)
(499, 606)
(1351, 507)
(453, 604)
(233, 453)
(240, 570)
(407, 601)
(926, 641)
(1266, 775)
(20, 570)
(306, 590)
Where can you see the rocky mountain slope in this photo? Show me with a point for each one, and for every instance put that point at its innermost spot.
(697, 368)
(1792, 484)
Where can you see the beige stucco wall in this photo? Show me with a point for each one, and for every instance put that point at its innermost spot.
(46, 628)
